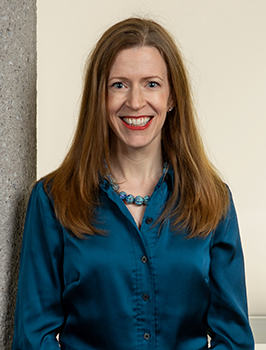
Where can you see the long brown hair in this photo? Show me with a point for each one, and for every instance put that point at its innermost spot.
(74, 186)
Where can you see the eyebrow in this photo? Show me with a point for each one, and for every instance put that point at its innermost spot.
(144, 78)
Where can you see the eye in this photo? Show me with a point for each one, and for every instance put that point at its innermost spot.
(153, 84)
(118, 85)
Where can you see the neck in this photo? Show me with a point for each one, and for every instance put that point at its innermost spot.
(127, 164)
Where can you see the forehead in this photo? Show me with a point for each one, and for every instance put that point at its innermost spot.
(139, 60)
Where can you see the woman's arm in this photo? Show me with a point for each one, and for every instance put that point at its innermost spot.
(39, 311)
(228, 316)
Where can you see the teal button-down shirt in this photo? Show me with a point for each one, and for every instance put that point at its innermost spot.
(131, 289)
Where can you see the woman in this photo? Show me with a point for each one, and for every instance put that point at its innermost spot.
(133, 243)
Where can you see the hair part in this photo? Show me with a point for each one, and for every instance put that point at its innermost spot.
(199, 199)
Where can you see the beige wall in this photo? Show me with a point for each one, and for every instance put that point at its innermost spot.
(224, 43)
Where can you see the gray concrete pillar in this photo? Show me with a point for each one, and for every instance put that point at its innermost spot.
(17, 144)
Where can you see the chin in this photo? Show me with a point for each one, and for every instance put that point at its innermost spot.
(140, 144)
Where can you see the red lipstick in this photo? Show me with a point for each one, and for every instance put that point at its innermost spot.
(137, 127)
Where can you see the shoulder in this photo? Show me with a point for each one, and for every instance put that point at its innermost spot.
(38, 188)
(40, 198)
(228, 230)
(41, 223)
(230, 213)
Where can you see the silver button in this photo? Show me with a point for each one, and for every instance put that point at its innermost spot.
(146, 336)
(144, 259)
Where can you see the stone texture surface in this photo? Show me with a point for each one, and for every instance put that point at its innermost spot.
(17, 144)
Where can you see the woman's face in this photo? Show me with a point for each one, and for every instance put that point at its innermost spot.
(138, 97)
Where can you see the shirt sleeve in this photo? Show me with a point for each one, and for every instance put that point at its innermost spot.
(39, 311)
(228, 315)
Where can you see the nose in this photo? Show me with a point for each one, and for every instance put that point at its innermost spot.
(136, 99)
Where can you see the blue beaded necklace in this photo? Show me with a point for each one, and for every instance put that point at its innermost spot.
(129, 198)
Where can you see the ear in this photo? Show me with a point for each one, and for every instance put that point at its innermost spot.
(170, 104)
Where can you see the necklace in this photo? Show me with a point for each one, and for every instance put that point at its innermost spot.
(129, 198)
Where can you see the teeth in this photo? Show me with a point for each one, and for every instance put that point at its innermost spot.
(137, 121)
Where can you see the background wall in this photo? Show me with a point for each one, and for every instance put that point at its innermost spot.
(224, 44)
(17, 145)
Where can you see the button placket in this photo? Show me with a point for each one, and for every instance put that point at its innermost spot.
(146, 306)
(147, 303)
(149, 233)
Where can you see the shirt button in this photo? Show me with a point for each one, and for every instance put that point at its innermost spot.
(145, 297)
(149, 221)
(144, 259)
(146, 336)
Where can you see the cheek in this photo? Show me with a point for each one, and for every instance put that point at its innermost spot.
(113, 104)
(162, 102)
(111, 114)
(112, 119)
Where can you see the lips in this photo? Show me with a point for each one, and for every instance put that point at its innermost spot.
(137, 123)
(140, 121)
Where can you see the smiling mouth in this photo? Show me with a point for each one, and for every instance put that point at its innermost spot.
(142, 121)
